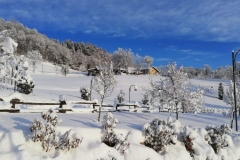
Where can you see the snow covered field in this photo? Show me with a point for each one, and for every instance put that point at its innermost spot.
(15, 142)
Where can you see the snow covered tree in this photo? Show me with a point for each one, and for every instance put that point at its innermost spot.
(122, 58)
(229, 98)
(220, 91)
(7, 49)
(193, 100)
(121, 96)
(229, 72)
(85, 93)
(104, 83)
(8, 45)
(162, 70)
(170, 90)
(25, 84)
(161, 133)
(34, 58)
(207, 71)
(148, 61)
(220, 73)
(138, 63)
(65, 69)
(112, 139)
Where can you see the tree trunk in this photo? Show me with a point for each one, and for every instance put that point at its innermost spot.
(231, 125)
(99, 113)
(176, 113)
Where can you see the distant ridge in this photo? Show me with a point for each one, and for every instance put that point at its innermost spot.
(76, 54)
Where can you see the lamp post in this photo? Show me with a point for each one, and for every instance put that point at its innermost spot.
(234, 85)
(135, 89)
(91, 89)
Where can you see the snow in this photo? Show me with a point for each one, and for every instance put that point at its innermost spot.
(15, 142)
(14, 95)
(8, 45)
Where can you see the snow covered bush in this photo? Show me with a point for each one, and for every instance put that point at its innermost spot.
(85, 93)
(109, 136)
(121, 96)
(161, 133)
(69, 140)
(195, 141)
(218, 139)
(25, 84)
(145, 99)
(48, 136)
(112, 139)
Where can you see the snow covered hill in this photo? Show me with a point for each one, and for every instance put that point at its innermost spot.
(15, 141)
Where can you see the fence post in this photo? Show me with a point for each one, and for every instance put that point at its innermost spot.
(13, 102)
(62, 103)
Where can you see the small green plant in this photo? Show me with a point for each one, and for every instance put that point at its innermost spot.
(25, 84)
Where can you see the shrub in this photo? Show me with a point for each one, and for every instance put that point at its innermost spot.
(220, 91)
(160, 133)
(145, 99)
(217, 136)
(47, 135)
(85, 93)
(121, 96)
(68, 140)
(187, 137)
(25, 84)
(195, 141)
(110, 138)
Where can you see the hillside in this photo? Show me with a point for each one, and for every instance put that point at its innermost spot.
(74, 53)
(15, 142)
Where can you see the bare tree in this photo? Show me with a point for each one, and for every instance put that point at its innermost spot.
(34, 58)
(229, 72)
(123, 58)
(148, 61)
(104, 83)
(65, 69)
(138, 63)
(207, 70)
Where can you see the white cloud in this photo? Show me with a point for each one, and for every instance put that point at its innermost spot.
(186, 51)
(199, 20)
(162, 59)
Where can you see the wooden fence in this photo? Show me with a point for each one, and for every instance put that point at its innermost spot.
(14, 102)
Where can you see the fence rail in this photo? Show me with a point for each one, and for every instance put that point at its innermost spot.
(14, 102)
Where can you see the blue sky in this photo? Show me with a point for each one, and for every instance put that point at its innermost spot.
(191, 32)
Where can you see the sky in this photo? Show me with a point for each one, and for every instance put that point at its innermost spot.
(190, 32)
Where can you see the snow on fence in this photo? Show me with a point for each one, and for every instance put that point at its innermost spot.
(95, 106)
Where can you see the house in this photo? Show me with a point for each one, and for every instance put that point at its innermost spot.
(151, 70)
(129, 70)
(93, 71)
(119, 71)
